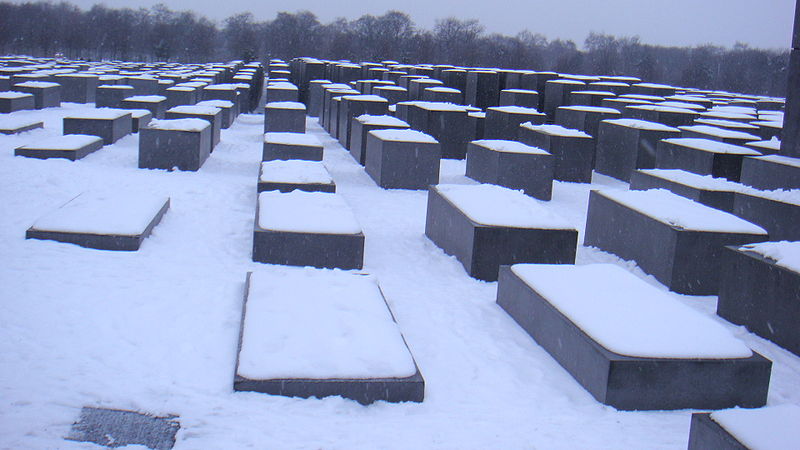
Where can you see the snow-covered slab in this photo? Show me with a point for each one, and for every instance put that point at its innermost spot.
(285, 176)
(195, 109)
(640, 124)
(37, 84)
(485, 226)
(771, 146)
(595, 109)
(307, 229)
(318, 333)
(703, 156)
(403, 135)
(511, 164)
(761, 288)
(70, 146)
(367, 119)
(147, 98)
(98, 114)
(108, 123)
(14, 95)
(514, 110)
(767, 428)
(771, 172)
(555, 130)
(717, 193)
(286, 105)
(14, 125)
(190, 124)
(301, 139)
(730, 136)
(629, 344)
(110, 220)
(675, 239)
(282, 85)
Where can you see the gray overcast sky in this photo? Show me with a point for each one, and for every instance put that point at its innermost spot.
(760, 23)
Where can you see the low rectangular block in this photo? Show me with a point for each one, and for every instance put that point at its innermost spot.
(111, 96)
(171, 143)
(572, 150)
(703, 157)
(45, 94)
(291, 146)
(760, 289)
(156, 104)
(770, 427)
(70, 146)
(228, 109)
(109, 124)
(503, 122)
(624, 145)
(718, 134)
(778, 212)
(676, 240)
(402, 159)
(286, 176)
(323, 333)
(361, 127)
(627, 343)
(15, 125)
(486, 226)
(771, 172)
(288, 117)
(77, 87)
(102, 220)
(716, 193)
(513, 165)
(210, 114)
(307, 229)
(11, 101)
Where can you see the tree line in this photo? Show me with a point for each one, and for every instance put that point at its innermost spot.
(161, 34)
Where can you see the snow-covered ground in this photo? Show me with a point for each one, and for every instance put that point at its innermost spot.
(156, 330)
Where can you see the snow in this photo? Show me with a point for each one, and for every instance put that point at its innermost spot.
(287, 138)
(139, 113)
(784, 253)
(306, 212)
(189, 124)
(224, 87)
(566, 81)
(722, 123)
(146, 98)
(477, 115)
(491, 205)
(727, 115)
(555, 130)
(367, 119)
(654, 85)
(389, 88)
(438, 106)
(515, 110)
(704, 182)
(99, 114)
(768, 124)
(780, 159)
(520, 91)
(295, 171)
(286, 105)
(195, 109)
(500, 145)
(597, 109)
(222, 104)
(682, 105)
(767, 428)
(641, 124)
(123, 87)
(719, 132)
(445, 90)
(156, 330)
(365, 98)
(660, 108)
(320, 324)
(708, 145)
(106, 212)
(403, 135)
(611, 94)
(649, 98)
(627, 316)
(37, 84)
(14, 94)
(11, 121)
(771, 145)
(680, 212)
(66, 142)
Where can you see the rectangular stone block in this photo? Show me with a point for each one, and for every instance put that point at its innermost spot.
(446, 122)
(486, 226)
(287, 117)
(557, 93)
(513, 165)
(778, 212)
(109, 124)
(307, 229)
(291, 146)
(589, 97)
(519, 97)
(716, 193)
(171, 143)
(361, 127)
(741, 429)
(572, 150)
(226, 107)
(676, 240)
(102, 220)
(503, 122)
(703, 157)
(771, 172)
(286, 176)
(156, 104)
(143, 85)
(16, 125)
(180, 95)
(674, 117)
(45, 94)
(352, 106)
(279, 354)
(482, 88)
(282, 92)
(210, 114)
(402, 159)
(760, 289)
(11, 101)
(627, 343)
(77, 87)
(717, 134)
(111, 96)
(624, 145)
(70, 146)
(226, 92)
(140, 119)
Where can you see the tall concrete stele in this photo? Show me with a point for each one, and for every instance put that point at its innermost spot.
(790, 137)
